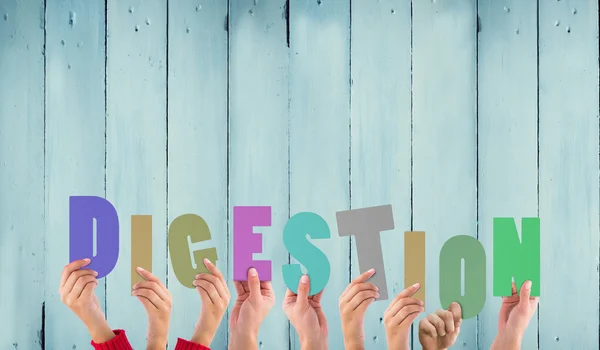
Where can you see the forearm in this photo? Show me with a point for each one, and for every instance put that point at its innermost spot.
(156, 345)
(353, 344)
(507, 341)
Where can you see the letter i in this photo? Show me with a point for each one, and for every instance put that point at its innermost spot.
(141, 246)
(414, 261)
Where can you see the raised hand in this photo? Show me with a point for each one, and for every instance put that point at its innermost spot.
(515, 313)
(306, 315)
(254, 300)
(156, 299)
(353, 304)
(215, 299)
(77, 291)
(440, 329)
(399, 316)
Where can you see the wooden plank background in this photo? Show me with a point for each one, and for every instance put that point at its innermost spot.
(453, 111)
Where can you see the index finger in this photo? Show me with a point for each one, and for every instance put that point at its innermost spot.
(317, 297)
(360, 279)
(214, 270)
(150, 277)
(73, 266)
(407, 292)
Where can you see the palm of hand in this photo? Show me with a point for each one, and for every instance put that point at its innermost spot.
(310, 316)
(246, 309)
(515, 315)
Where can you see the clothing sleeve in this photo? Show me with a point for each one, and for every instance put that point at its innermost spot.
(119, 342)
(188, 345)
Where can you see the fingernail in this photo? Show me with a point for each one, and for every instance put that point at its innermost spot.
(95, 273)
(371, 271)
(206, 261)
(416, 285)
(304, 279)
(376, 295)
(197, 276)
(253, 272)
(528, 285)
(139, 269)
(135, 286)
(87, 260)
(377, 288)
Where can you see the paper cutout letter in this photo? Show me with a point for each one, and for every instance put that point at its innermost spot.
(246, 242)
(141, 246)
(414, 261)
(365, 225)
(516, 258)
(82, 212)
(299, 247)
(193, 226)
(453, 252)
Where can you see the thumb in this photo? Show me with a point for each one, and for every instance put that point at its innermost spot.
(525, 292)
(456, 311)
(253, 283)
(303, 289)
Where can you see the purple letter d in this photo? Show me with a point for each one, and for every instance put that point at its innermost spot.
(82, 212)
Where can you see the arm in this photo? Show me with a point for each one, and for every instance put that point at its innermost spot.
(399, 316)
(353, 304)
(77, 291)
(306, 315)
(254, 300)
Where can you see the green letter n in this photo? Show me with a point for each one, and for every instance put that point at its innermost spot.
(516, 258)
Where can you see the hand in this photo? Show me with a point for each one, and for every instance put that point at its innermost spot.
(254, 300)
(515, 313)
(440, 329)
(399, 316)
(306, 315)
(353, 303)
(77, 291)
(215, 298)
(156, 299)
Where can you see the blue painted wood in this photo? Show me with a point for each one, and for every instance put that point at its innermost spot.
(258, 136)
(136, 146)
(21, 174)
(568, 175)
(507, 129)
(319, 133)
(197, 140)
(75, 145)
(301, 92)
(381, 136)
(444, 136)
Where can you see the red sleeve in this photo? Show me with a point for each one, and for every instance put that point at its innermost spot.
(119, 342)
(188, 345)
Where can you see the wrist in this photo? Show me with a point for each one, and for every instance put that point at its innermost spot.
(508, 340)
(202, 338)
(243, 340)
(312, 343)
(100, 331)
(401, 342)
